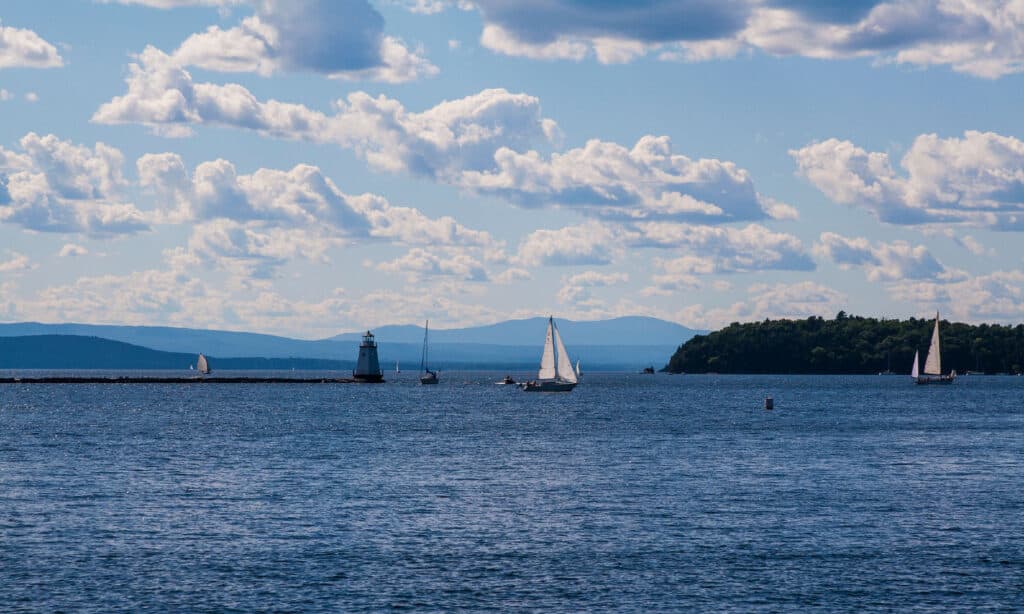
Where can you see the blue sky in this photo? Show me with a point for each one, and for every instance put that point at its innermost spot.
(308, 167)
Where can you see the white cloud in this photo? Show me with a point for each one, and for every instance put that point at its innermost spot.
(996, 296)
(439, 142)
(586, 244)
(57, 186)
(72, 249)
(340, 38)
(608, 180)
(473, 143)
(419, 263)
(984, 38)
(17, 264)
(512, 275)
(172, 4)
(791, 301)
(895, 261)
(255, 223)
(578, 288)
(21, 48)
(5, 95)
(727, 249)
(976, 180)
(32, 97)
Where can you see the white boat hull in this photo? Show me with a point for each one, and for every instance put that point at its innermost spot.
(548, 386)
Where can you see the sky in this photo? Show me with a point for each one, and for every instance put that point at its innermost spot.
(307, 167)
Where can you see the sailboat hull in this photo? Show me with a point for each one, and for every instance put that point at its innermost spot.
(428, 378)
(941, 379)
(548, 386)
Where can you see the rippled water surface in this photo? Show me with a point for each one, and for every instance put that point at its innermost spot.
(631, 493)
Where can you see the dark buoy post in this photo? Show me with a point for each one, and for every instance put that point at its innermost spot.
(368, 367)
(769, 402)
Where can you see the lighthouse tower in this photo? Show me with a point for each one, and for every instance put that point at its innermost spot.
(368, 367)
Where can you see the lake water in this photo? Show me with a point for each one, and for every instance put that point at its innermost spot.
(631, 493)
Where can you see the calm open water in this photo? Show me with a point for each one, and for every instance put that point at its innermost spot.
(631, 493)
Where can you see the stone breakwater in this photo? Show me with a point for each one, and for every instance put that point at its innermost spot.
(178, 380)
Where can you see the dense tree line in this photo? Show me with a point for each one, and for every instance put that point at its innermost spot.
(849, 344)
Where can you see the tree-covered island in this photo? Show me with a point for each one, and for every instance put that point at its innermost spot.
(848, 344)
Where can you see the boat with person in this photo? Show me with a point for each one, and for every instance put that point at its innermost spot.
(556, 373)
(506, 381)
(933, 362)
(426, 375)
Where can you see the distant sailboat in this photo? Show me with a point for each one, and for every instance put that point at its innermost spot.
(933, 362)
(579, 373)
(427, 376)
(397, 370)
(203, 365)
(556, 373)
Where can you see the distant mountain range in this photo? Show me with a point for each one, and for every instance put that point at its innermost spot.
(74, 352)
(620, 343)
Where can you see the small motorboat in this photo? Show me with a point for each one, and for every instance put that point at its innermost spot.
(506, 381)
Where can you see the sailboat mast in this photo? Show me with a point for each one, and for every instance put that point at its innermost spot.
(423, 358)
(554, 346)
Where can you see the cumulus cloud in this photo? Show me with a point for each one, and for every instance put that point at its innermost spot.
(483, 143)
(996, 296)
(578, 288)
(171, 4)
(790, 301)
(58, 186)
(255, 223)
(20, 48)
(16, 264)
(717, 249)
(976, 180)
(586, 244)
(980, 37)
(608, 180)
(339, 38)
(883, 261)
(440, 142)
(419, 263)
(71, 250)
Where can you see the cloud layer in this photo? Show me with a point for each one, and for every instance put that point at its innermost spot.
(21, 48)
(976, 180)
(984, 38)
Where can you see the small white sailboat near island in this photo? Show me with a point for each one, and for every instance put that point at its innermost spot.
(203, 365)
(933, 362)
(556, 372)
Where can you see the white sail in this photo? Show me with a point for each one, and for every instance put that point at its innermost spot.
(914, 371)
(201, 365)
(578, 372)
(564, 369)
(933, 364)
(547, 359)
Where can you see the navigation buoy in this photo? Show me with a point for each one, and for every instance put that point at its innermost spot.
(769, 403)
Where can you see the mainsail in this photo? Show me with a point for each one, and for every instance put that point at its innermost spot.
(933, 364)
(914, 372)
(202, 365)
(564, 371)
(547, 359)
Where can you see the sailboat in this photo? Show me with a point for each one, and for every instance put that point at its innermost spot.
(397, 370)
(933, 363)
(202, 365)
(427, 376)
(579, 373)
(556, 373)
